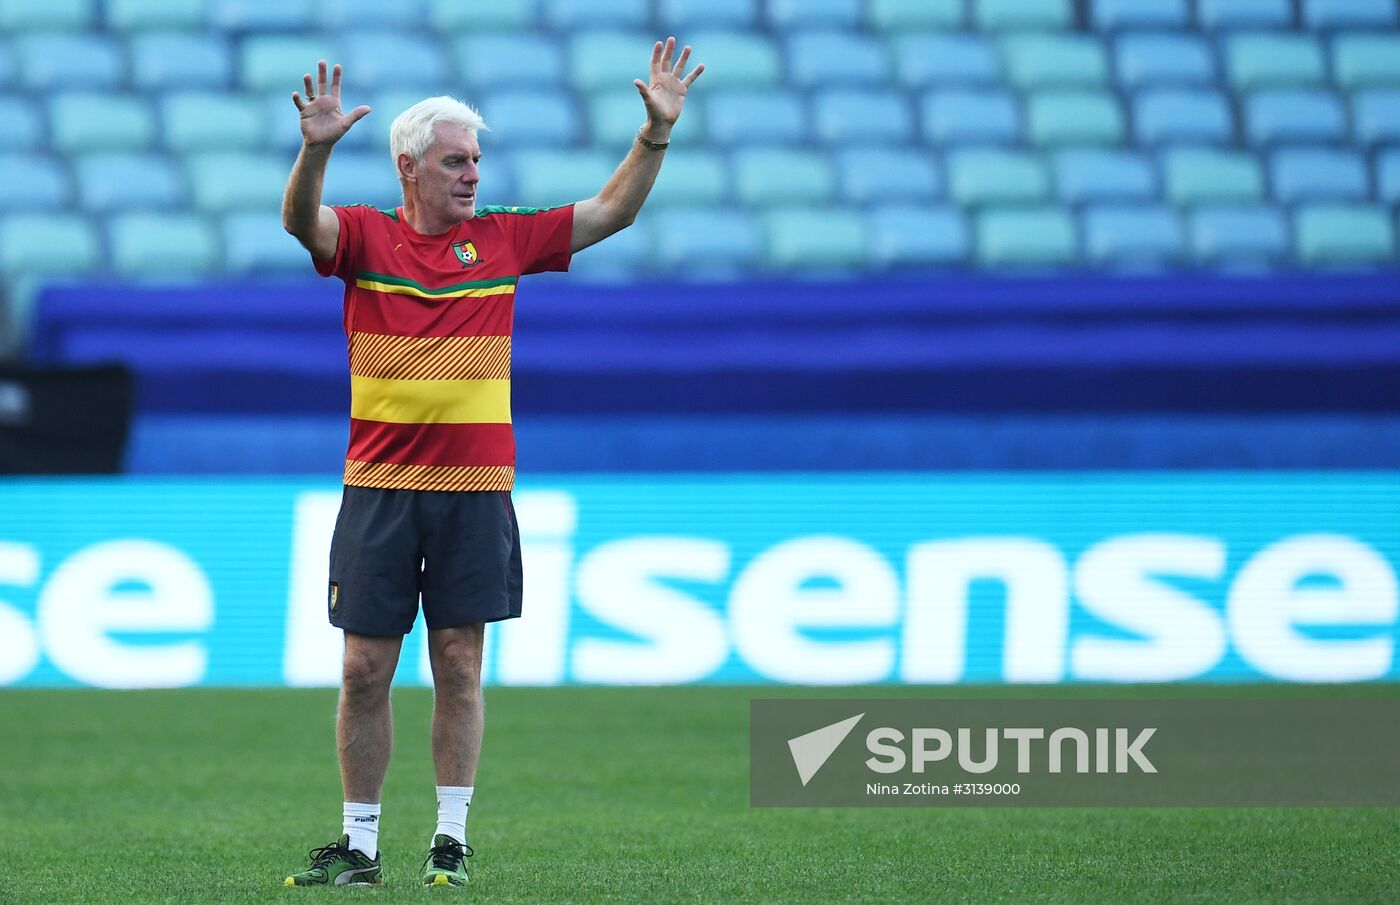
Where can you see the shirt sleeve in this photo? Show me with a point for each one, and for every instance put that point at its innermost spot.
(541, 240)
(347, 245)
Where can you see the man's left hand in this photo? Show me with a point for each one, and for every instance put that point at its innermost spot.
(665, 94)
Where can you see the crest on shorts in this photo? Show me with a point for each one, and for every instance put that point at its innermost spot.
(333, 596)
(466, 252)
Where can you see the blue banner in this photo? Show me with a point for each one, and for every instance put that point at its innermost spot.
(814, 579)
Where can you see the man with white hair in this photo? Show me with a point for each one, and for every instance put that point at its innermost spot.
(426, 511)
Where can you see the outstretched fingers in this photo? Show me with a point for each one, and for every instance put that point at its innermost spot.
(666, 54)
(335, 81)
(320, 78)
(677, 69)
(694, 74)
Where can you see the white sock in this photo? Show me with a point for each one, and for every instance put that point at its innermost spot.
(453, 802)
(362, 826)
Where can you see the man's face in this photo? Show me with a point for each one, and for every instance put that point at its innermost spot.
(447, 175)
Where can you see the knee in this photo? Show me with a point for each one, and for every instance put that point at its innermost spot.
(458, 672)
(364, 676)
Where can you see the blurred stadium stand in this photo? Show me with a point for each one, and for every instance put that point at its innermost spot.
(911, 149)
(1015, 121)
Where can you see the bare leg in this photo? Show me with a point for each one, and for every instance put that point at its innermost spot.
(458, 716)
(364, 724)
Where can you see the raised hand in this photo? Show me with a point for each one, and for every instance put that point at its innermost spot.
(322, 122)
(664, 92)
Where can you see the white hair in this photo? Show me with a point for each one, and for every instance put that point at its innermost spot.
(412, 131)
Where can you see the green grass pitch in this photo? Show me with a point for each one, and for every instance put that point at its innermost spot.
(589, 795)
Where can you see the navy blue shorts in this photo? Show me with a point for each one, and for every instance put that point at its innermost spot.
(458, 550)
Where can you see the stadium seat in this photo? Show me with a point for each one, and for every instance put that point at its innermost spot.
(786, 15)
(1366, 60)
(1154, 58)
(1171, 115)
(1343, 234)
(607, 59)
(1349, 13)
(1132, 233)
(1294, 116)
(1388, 176)
(567, 15)
(715, 242)
(756, 117)
(1262, 60)
(231, 180)
(841, 59)
(277, 62)
(257, 243)
(735, 60)
(1318, 174)
(544, 178)
(980, 116)
(60, 61)
(690, 177)
(361, 177)
(114, 122)
(400, 14)
(945, 59)
(124, 181)
(47, 243)
(613, 118)
(997, 15)
(30, 15)
(145, 244)
(134, 15)
(1229, 14)
(508, 60)
(1207, 176)
(1375, 116)
(1223, 234)
(767, 176)
(32, 181)
(393, 59)
(1074, 117)
(1085, 175)
(910, 15)
(626, 255)
(815, 240)
(996, 176)
(373, 132)
(1034, 236)
(887, 174)
(533, 117)
(180, 59)
(287, 16)
(853, 115)
(1116, 14)
(23, 126)
(198, 120)
(912, 235)
(1036, 61)
(450, 16)
(683, 15)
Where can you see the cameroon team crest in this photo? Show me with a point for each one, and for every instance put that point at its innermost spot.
(466, 252)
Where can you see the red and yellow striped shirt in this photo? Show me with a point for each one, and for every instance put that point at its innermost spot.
(428, 323)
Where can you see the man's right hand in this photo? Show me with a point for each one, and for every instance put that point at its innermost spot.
(322, 122)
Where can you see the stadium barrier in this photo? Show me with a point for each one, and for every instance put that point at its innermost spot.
(817, 579)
